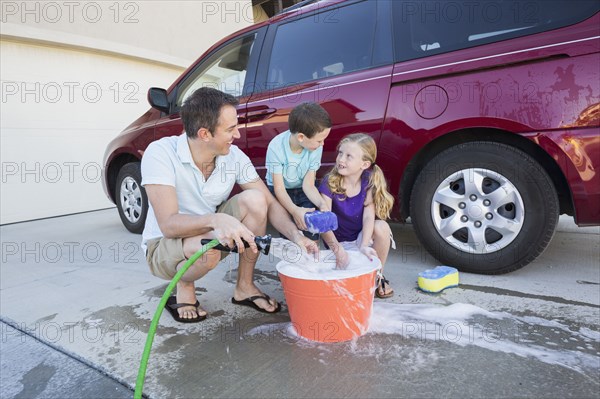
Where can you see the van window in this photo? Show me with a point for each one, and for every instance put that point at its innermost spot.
(423, 28)
(328, 43)
(224, 70)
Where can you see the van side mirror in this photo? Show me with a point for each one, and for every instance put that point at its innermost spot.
(157, 98)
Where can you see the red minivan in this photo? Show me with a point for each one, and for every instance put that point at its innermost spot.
(486, 114)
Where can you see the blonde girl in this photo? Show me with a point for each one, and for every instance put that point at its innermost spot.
(356, 191)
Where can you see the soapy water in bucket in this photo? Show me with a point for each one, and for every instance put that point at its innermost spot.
(297, 263)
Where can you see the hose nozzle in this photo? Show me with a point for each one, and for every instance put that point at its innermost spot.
(262, 242)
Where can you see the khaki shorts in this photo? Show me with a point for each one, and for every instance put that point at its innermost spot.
(165, 254)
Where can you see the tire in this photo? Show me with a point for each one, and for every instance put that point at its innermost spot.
(131, 198)
(484, 207)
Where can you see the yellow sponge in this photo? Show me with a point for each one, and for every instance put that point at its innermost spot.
(438, 279)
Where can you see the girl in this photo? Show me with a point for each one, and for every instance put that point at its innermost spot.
(356, 191)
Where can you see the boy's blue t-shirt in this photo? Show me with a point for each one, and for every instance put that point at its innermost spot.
(293, 167)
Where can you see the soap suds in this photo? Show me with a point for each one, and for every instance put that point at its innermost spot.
(468, 325)
(304, 266)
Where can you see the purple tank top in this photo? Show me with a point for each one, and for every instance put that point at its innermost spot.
(349, 210)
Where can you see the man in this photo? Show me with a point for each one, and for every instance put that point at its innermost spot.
(188, 179)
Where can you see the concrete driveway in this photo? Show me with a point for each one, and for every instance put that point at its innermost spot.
(77, 300)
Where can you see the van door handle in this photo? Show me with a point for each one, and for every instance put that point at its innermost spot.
(260, 113)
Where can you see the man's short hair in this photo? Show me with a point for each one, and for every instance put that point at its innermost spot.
(309, 118)
(203, 108)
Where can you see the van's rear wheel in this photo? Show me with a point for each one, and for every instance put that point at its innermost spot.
(484, 207)
(131, 198)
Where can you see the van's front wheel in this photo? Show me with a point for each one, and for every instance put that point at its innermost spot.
(484, 207)
(131, 198)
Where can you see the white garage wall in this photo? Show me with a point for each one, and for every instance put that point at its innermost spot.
(59, 111)
(68, 88)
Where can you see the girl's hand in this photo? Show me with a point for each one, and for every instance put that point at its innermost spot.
(341, 258)
(298, 216)
(368, 252)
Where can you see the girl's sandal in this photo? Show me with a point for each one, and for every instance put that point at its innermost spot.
(382, 282)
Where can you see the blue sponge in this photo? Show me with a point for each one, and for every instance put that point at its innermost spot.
(320, 222)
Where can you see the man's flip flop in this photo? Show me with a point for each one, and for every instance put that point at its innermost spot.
(172, 307)
(250, 302)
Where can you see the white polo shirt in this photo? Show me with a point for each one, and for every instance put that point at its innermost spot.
(169, 162)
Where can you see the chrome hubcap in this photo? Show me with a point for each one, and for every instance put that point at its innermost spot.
(131, 199)
(477, 211)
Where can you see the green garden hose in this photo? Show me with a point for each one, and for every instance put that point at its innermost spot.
(139, 385)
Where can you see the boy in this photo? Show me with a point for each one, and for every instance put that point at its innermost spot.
(293, 158)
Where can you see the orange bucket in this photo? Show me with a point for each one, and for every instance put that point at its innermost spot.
(332, 310)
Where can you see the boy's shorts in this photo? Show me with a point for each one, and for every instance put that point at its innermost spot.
(300, 199)
(164, 254)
